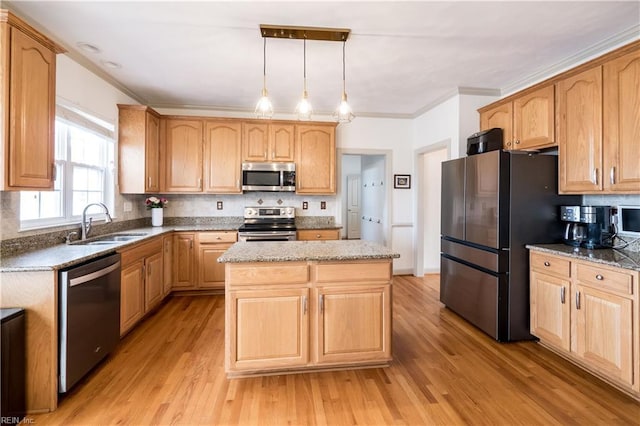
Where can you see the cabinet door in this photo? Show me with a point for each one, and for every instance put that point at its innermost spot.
(153, 281)
(152, 153)
(131, 296)
(211, 273)
(183, 261)
(282, 337)
(315, 152)
(222, 157)
(534, 119)
(580, 132)
(550, 309)
(602, 331)
(367, 310)
(500, 116)
(31, 114)
(183, 150)
(282, 142)
(167, 265)
(621, 117)
(255, 142)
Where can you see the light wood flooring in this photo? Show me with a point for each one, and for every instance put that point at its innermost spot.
(170, 370)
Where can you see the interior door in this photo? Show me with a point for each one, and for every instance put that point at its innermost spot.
(353, 207)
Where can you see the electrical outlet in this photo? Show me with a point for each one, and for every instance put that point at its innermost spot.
(127, 206)
(305, 205)
(219, 205)
(323, 205)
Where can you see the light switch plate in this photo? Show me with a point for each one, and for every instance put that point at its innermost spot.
(305, 205)
(219, 205)
(323, 205)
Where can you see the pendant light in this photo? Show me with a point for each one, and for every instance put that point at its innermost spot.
(303, 109)
(264, 108)
(344, 114)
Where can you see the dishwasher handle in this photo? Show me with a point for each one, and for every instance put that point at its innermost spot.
(93, 275)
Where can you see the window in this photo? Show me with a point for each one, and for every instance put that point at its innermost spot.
(85, 174)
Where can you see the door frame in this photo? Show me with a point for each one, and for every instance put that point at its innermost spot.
(388, 172)
(418, 219)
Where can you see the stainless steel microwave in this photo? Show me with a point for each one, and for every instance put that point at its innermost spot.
(268, 177)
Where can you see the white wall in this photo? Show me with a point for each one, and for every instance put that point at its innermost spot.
(432, 170)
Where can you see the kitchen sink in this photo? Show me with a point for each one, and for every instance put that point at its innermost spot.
(111, 239)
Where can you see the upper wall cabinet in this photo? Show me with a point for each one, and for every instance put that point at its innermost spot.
(599, 130)
(138, 143)
(527, 121)
(267, 142)
(315, 159)
(621, 119)
(27, 105)
(182, 149)
(222, 152)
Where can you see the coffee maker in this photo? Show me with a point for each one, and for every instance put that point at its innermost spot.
(587, 226)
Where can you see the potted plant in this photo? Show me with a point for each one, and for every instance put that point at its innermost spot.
(156, 205)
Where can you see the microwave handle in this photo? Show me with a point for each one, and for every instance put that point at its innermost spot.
(281, 178)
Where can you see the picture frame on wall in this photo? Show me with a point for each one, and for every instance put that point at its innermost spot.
(402, 181)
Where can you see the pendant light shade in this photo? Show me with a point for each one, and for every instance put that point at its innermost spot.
(304, 109)
(344, 114)
(264, 108)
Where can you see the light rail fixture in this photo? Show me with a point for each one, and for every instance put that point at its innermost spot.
(303, 109)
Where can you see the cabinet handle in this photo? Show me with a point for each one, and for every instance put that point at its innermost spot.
(317, 235)
(322, 303)
(509, 143)
(191, 244)
(200, 182)
(562, 295)
(238, 183)
(144, 270)
(218, 238)
(304, 305)
(54, 172)
(612, 175)
(595, 176)
(273, 155)
(599, 277)
(149, 182)
(546, 263)
(517, 141)
(149, 270)
(577, 300)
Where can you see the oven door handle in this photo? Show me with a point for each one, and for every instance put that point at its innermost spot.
(267, 234)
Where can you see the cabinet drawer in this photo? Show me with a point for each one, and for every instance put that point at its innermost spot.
(318, 234)
(550, 264)
(217, 237)
(139, 251)
(353, 272)
(618, 281)
(267, 273)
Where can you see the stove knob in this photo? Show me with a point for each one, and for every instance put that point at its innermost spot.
(289, 211)
(251, 212)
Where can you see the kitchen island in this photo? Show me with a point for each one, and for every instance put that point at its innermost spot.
(306, 305)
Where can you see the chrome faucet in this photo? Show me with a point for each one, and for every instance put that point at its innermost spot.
(86, 227)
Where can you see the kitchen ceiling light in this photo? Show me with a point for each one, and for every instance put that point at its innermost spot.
(304, 109)
(88, 47)
(344, 114)
(264, 108)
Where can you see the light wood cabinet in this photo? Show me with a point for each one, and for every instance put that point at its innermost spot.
(302, 315)
(271, 329)
(182, 148)
(141, 281)
(184, 261)
(586, 312)
(211, 245)
(268, 142)
(222, 153)
(527, 122)
(621, 115)
(580, 132)
(315, 152)
(138, 143)
(318, 234)
(353, 324)
(27, 102)
(167, 253)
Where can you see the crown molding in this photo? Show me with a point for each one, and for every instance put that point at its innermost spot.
(598, 49)
(474, 91)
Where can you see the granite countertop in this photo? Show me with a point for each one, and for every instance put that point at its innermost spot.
(613, 257)
(64, 255)
(293, 251)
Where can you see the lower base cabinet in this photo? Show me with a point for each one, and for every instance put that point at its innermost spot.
(586, 312)
(297, 315)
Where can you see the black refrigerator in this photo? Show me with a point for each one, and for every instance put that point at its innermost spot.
(493, 204)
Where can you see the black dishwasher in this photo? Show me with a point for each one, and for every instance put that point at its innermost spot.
(89, 317)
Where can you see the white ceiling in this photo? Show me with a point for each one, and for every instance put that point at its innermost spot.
(401, 56)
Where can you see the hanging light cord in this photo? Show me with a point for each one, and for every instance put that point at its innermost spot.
(304, 66)
(264, 64)
(344, 85)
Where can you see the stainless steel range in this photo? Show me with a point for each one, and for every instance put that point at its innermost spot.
(268, 224)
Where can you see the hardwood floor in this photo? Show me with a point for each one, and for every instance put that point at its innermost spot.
(170, 370)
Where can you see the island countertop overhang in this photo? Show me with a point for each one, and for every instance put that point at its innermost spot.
(295, 251)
